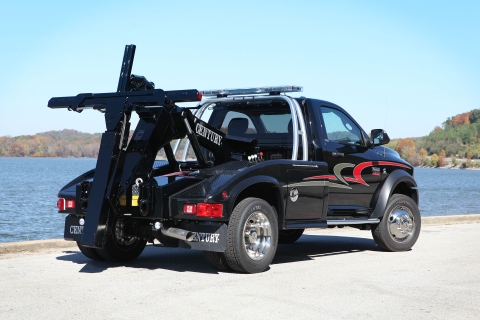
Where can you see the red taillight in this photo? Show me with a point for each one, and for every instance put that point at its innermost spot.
(209, 210)
(61, 204)
(189, 208)
(224, 194)
(199, 96)
(70, 204)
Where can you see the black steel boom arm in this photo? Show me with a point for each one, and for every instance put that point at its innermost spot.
(160, 122)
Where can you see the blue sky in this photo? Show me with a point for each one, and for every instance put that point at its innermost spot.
(404, 66)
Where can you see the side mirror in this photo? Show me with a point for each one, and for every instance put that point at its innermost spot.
(379, 137)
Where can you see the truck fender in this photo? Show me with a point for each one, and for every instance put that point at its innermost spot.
(84, 176)
(388, 186)
(244, 184)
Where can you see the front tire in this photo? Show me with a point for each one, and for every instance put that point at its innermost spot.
(121, 248)
(400, 225)
(252, 236)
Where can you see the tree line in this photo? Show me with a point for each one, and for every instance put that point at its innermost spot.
(64, 143)
(457, 138)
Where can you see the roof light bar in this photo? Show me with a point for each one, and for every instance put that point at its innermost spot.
(245, 91)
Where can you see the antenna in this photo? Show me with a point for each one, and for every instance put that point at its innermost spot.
(386, 108)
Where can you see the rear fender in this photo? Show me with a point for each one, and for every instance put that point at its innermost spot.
(85, 176)
(399, 181)
(248, 184)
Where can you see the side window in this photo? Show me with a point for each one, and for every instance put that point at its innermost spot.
(340, 128)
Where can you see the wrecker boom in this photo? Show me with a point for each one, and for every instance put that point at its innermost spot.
(122, 164)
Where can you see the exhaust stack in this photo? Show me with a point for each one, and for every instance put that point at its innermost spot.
(181, 234)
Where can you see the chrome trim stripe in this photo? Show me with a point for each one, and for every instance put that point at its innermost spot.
(350, 222)
(317, 183)
(305, 165)
(306, 184)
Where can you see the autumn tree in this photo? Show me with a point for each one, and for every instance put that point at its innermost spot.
(16, 150)
(5, 143)
(434, 160)
(423, 154)
(441, 159)
(404, 147)
(461, 119)
(414, 158)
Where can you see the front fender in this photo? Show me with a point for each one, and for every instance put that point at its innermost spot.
(386, 189)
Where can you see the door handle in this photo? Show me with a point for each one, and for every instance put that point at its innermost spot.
(338, 154)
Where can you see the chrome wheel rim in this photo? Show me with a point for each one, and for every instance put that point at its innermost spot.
(257, 236)
(401, 224)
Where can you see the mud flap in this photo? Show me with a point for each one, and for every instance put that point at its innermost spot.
(208, 237)
(73, 230)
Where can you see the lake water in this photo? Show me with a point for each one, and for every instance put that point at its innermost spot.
(29, 188)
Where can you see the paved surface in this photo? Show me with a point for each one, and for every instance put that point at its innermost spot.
(332, 274)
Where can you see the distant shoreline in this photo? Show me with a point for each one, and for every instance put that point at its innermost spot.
(10, 157)
(447, 167)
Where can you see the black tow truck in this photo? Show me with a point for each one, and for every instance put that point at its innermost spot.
(245, 169)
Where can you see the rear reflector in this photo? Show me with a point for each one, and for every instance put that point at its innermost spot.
(61, 204)
(209, 210)
(189, 208)
(70, 204)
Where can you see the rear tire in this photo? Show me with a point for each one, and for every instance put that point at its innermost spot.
(252, 236)
(217, 260)
(119, 248)
(289, 236)
(90, 253)
(400, 225)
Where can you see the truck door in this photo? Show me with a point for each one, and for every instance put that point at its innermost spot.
(353, 168)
